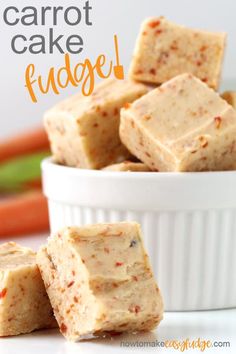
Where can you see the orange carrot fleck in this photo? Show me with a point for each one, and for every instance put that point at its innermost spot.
(3, 293)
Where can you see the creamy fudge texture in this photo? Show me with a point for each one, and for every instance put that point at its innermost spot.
(165, 50)
(128, 166)
(181, 126)
(230, 97)
(99, 279)
(24, 304)
(84, 131)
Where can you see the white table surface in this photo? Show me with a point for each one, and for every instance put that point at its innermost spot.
(207, 325)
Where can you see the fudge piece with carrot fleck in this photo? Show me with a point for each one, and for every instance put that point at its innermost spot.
(181, 126)
(99, 280)
(128, 166)
(24, 304)
(84, 131)
(164, 50)
(230, 97)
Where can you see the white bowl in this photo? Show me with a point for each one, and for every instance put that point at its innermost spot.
(188, 222)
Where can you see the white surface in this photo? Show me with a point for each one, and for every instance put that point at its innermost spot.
(188, 229)
(213, 326)
(109, 17)
(207, 325)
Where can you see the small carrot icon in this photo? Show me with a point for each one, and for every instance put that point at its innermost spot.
(118, 68)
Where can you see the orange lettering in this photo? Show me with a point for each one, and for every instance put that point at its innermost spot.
(79, 78)
(50, 81)
(29, 73)
(83, 73)
(67, 70)
(101, 60)
(89, 81)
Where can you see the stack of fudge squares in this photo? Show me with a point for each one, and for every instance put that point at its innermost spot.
(89, 281)
(167, 117)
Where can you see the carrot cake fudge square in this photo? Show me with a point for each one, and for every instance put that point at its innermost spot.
(84, 131)
(181, 126)
(164, 50)
(24, 304)
(128, 166)
(99, 279)
(230, 97)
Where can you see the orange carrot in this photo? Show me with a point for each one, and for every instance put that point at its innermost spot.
(34, 184)
(24, 214)
(24, 143)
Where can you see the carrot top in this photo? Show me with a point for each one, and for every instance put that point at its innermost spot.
(18, 172)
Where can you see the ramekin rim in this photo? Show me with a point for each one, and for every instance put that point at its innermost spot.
(48, 163)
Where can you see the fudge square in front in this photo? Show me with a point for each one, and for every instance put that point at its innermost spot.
(99, 280)
(181, 126)
(24, 304)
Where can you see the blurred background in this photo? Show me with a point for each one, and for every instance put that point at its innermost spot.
(23, 142)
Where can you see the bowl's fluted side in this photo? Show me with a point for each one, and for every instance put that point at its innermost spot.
(192, 252)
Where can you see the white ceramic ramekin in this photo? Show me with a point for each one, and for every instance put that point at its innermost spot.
(188, 222)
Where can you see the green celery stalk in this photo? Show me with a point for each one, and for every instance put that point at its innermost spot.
(17, 172)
